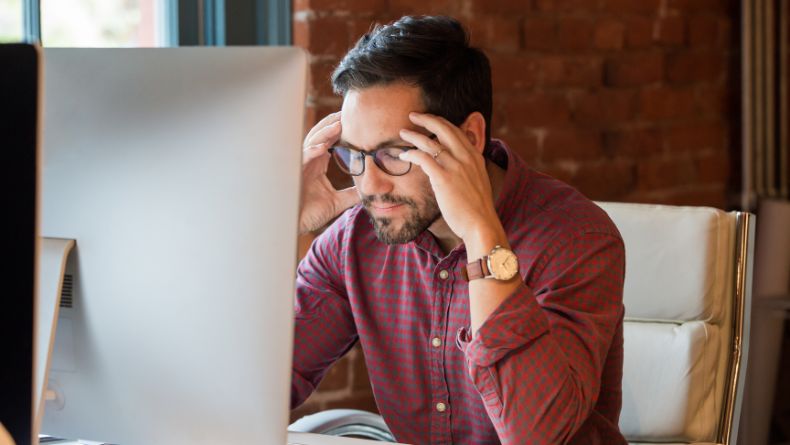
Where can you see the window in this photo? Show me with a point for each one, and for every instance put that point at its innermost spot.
(145, 23)
(101, 23)
(11, 19)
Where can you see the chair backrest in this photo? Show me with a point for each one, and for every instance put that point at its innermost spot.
(687, 298)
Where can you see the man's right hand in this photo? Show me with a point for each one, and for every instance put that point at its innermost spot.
(321, 202)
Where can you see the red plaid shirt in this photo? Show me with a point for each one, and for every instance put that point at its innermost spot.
(544, 368)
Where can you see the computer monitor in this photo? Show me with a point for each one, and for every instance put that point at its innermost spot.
(19, 109)
(177, 172)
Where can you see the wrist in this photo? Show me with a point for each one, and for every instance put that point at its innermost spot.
(483, 240)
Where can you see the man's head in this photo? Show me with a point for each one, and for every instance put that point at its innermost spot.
(420, 64)
(431, 53)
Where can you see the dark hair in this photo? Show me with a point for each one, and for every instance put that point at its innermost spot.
(430, 52)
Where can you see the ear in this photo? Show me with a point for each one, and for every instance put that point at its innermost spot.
(474, 127)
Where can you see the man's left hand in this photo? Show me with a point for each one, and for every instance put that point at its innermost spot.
(458, 175)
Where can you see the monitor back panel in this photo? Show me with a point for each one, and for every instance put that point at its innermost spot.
(177, 173)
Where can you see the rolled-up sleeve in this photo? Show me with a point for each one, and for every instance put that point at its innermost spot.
(537, 361)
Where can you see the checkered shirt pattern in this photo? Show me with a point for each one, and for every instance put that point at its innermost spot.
(544, 368)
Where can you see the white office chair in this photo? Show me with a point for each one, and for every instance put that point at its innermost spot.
(687, 296)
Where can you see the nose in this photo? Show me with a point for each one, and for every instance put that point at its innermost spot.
(373, 181)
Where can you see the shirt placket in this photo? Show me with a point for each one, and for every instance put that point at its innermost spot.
(441, 409)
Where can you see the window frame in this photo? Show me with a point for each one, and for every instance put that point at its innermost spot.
(202, 22)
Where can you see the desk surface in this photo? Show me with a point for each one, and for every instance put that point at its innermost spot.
(293, 439)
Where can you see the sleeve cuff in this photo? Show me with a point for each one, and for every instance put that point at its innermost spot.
(516, 322)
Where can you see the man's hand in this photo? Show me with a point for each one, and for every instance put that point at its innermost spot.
(460, 181)
(321, 202)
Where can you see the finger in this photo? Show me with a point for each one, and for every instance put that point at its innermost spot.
(328, 134)
(314, 151)
(427, 144)
(448, 134)
(426, 162)
(327, 120)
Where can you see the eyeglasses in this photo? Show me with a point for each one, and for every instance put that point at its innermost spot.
(352, 161)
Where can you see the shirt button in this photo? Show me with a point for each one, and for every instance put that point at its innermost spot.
(441, 407)
(436, 342)
(444, 274)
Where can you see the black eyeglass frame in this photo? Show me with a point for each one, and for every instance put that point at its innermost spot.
(372, 154)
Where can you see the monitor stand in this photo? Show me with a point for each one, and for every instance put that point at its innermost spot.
(54, 254)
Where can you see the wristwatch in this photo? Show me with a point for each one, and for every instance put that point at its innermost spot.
(500, 264)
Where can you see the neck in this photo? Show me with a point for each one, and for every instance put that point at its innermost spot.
(445, 237)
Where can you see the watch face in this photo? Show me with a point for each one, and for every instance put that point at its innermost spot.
(503, 264)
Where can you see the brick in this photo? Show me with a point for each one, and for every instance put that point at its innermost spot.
(307, 408)
(321, 77)
(358, 27)
(570, 71)
(335, 6)
(664, 103)
(540, 33)
(605, 180)
(524, 144)
(536, 110)
(359, 376)
(496, 33)
(571, 143)
(400, 8)
(630, 6)
(709, 6)
(727, 39)
(696, 136)
(300, 32)
(575, 33)
(716, 100)
(661, 173)
(670, 31)
(713, 167)
(564, 171)
(513, 72)
(326, 35)
(510, 7)
(575, 6)
(609, 35)
(711, 196)
(365, 402)
(703, 31)
(337, 377)
(314, 113)
(604, 107)
(634, 69)
(695, 66)
(633, 143)
(638, 32)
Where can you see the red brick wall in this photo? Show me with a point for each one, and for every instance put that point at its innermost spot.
(628, 100)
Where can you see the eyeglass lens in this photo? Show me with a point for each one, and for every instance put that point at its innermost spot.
(386, 158)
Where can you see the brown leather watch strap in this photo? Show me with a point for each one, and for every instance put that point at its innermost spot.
(476, 269)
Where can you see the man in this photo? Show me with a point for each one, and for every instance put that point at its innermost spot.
(487, 297)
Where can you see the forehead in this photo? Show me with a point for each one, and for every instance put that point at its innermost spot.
(374, 114)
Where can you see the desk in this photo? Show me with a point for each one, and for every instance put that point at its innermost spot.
(293, 439)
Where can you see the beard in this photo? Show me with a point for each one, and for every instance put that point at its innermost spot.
(417, 221)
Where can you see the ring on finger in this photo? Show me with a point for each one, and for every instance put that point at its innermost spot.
(436, 155)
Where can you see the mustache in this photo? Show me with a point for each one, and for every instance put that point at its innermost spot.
(387, 198)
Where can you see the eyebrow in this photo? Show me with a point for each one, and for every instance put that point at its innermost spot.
(388, 143)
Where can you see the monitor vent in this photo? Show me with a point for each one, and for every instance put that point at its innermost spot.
(67, 294)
